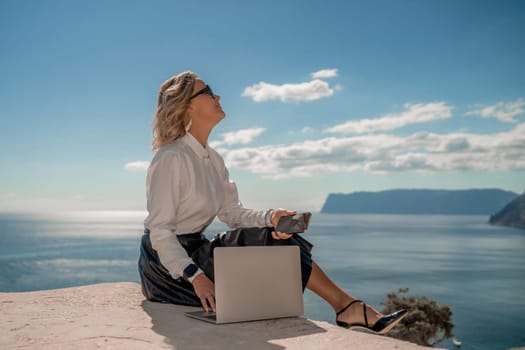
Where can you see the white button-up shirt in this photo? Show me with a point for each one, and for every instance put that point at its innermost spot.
(186, 187)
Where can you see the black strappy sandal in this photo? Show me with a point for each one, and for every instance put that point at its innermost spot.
(382, 326)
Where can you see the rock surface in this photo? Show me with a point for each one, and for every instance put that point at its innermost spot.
(116, 316)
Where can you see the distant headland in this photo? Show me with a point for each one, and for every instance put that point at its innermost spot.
(513, 214)
(419, 201)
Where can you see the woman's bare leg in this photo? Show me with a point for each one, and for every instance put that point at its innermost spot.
(322, 285)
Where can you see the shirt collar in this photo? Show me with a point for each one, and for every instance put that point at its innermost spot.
(195, 145)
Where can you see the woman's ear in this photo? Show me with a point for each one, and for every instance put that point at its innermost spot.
(189, 111)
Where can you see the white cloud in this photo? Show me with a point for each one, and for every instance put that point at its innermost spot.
(382, 153)
(138, 165)
(307, 91)
(414, 113)
(325, 74)
(503, 111)
(243, 136)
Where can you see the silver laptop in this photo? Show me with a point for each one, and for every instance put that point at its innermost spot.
(255, 283)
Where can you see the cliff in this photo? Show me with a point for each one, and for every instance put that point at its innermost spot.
(116, 316)
(407, 201)
(513, 214)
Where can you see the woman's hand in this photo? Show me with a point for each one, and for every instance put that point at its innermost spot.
(276, 215)
(205, 290)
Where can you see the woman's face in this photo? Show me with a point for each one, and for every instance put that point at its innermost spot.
(204, 108)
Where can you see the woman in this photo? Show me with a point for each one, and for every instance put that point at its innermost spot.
(188, 185)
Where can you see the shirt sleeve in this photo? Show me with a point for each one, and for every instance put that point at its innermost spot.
(165, 179)
(232, 212)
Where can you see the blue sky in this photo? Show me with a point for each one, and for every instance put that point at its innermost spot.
(320, 96)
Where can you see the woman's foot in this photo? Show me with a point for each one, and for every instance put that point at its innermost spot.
(354, 314)
(357, 314)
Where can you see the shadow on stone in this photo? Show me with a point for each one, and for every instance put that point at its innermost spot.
(183, 332)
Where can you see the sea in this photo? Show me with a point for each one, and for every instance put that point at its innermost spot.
(478, 270)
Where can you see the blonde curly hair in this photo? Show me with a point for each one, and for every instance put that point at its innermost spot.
(173, 100)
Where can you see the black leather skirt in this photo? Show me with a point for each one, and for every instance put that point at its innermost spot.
(158, 285)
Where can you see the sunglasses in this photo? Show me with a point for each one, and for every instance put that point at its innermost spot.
(204, 90)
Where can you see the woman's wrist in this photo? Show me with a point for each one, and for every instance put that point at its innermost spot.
(197, 274)
(191, 271)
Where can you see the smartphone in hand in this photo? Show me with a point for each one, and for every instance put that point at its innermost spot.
(293, 223)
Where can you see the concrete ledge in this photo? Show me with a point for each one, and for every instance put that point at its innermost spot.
(116, 316)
